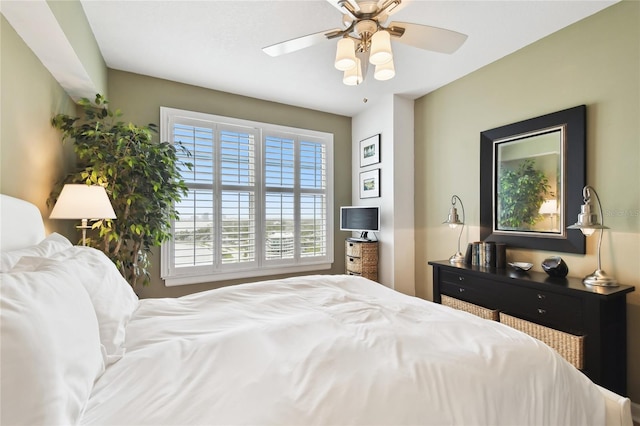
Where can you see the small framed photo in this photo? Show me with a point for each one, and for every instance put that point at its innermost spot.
(370, 150)
(370, 184)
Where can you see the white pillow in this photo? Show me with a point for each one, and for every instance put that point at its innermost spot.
(51, 353)
(52, 244)
(113, 298)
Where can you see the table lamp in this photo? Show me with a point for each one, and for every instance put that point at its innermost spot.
(588, 223)
(85, 202)
(453, 221)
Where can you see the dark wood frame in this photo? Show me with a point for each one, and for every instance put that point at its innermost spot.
(574, 119)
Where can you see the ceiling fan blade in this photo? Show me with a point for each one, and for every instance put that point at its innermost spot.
(337, 5)
(297, 43)
(428, 38)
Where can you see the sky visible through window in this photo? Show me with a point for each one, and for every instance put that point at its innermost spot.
(237, 168)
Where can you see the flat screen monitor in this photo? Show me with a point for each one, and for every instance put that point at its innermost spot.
(363, 219)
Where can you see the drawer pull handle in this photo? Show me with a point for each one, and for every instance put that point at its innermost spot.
(350, 244)
(461, 290)
(351, 259)
(541, 296)
(542, 311)
(461, 278)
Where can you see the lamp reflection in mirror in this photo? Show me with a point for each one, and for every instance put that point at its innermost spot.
(550, 207)
(588, 223)
(85, 202)
(453, 221)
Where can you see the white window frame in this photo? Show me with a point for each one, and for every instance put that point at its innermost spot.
(174, 276)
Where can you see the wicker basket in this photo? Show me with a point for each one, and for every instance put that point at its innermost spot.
(361, 259)
(353, 249)
(570, 347)
(469, 307)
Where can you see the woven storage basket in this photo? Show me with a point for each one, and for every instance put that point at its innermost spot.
(354, 264)
(570, 347)
(353, 249)
(469, 307)
(362, 259)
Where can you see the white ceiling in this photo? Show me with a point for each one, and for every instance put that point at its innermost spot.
(217, 44)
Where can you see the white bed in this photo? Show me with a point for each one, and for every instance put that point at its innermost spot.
(78, 347)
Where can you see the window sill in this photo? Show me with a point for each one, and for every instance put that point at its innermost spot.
(222, 276)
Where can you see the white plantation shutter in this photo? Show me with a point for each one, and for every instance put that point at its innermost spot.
(313, 199)
(194, 233)
(258, 202)
(238, 192)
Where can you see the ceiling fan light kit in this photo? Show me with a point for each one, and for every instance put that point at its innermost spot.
(345, 54)
(365, 40)
(353, 76)
(385, 71)
(380, 48)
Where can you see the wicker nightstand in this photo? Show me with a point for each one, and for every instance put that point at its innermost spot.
(362, 259)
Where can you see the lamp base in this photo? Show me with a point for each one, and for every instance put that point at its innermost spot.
(457, 258)
(600, 278)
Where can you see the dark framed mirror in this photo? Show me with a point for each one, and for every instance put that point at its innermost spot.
(531, 177)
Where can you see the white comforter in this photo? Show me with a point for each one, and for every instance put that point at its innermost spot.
(332, 350)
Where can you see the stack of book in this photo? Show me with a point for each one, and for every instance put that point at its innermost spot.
(487, 254)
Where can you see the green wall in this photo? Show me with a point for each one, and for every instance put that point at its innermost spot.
(32, 156)
(594, 62)
(141, 97)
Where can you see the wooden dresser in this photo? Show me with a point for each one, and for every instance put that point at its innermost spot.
(361, 258)
(586, 325)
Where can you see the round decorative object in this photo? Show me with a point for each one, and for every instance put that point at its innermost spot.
(555, 267)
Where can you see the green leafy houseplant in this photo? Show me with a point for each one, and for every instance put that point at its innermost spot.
(142, 179)
(522, 192)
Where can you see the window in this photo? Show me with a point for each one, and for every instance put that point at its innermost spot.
(259, 202)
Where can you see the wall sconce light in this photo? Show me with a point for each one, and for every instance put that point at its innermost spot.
(453, 221)
(588, 223)
(85, 202)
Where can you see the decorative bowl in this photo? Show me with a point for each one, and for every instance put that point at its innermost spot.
(555, 267)
(521, 266)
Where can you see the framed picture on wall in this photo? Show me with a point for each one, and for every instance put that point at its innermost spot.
(370, 184)
(370, 150)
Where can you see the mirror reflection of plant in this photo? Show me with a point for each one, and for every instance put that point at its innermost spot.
(522, 192)
(142, 179)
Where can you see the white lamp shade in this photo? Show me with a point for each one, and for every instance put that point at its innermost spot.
(380, 48)
(80, 201)
(385, 71)
(353, 76)
(345, 54)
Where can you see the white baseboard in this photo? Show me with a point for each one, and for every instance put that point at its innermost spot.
(635, 412)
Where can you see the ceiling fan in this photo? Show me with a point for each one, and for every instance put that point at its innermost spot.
(365, 39)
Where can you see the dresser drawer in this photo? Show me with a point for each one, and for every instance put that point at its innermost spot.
(547, 308)
(353, 249)
(477, 291)
(354, 264)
